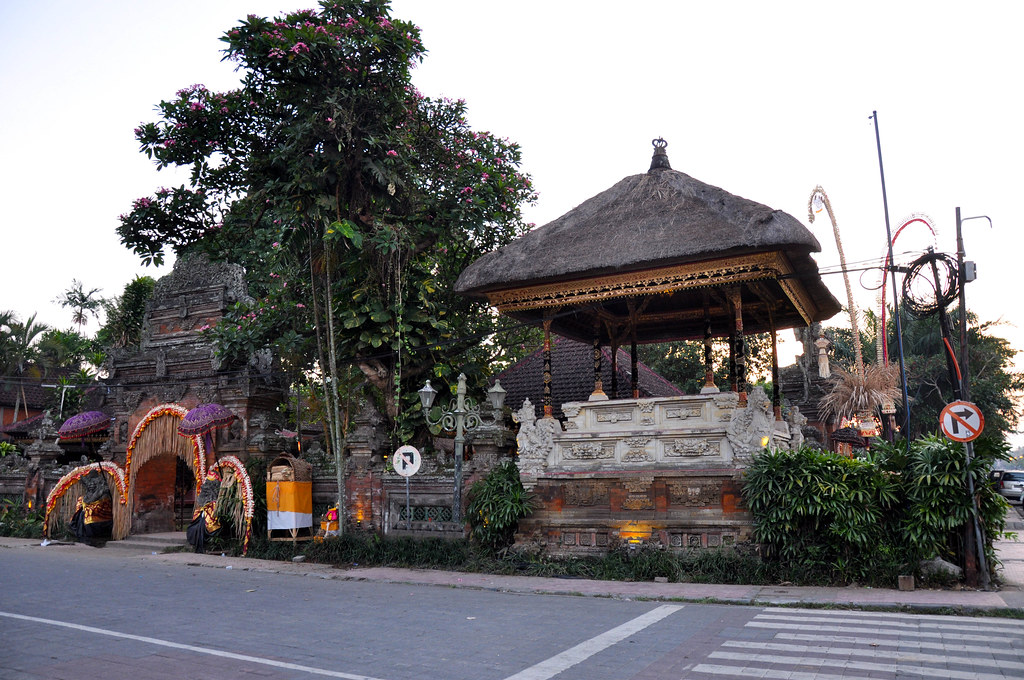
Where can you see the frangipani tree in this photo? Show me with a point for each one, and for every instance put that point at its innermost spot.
(352, 200)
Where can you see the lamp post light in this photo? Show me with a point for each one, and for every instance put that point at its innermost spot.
(463, 415)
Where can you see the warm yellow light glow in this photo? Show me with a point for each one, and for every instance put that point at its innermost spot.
(764, 441)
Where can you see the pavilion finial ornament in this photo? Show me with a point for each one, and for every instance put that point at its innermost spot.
(660, 159)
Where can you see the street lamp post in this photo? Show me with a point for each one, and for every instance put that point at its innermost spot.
(463, 415)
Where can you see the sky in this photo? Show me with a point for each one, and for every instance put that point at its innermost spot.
(764, 99)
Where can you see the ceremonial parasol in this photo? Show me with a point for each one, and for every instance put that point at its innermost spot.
(84, 424)
(202, 420)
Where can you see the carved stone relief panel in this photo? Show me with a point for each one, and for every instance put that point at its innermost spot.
(695, 493)
(586, 494)
(615, 417)
(646, 407)
(571, 411)
(691, 448)
(589, 451)
(638, 493)
(637, 451)
(684, 412)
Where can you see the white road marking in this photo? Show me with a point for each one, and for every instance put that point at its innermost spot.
(901, 633)
(190, 648)
(949, 624)
(902, 657)
(740, 672)
(583, 651)
(903, 669)
(883, 642)
(988, 620)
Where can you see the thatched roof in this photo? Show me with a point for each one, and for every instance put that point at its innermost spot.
(650, 222)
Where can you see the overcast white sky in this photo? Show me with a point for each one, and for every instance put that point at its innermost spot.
(764, 99)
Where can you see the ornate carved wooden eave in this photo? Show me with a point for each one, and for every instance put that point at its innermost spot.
(601, 299)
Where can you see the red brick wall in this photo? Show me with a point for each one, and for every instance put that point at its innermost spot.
(153, 499)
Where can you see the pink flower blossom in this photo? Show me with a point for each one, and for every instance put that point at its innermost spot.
(392, 152)
(275, 244)
(300, 305)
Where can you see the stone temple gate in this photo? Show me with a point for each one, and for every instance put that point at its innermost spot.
(659, 257)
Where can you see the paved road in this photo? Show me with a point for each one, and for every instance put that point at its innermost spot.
(82, 613)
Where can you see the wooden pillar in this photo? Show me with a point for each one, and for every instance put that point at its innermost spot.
(598, 393)
(634, 382)
(709, 368)
(548, 410)
(739, 344)
(732, 361)
(615, 368)
(776, 388)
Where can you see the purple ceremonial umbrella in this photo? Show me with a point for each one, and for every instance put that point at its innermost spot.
(84, 424)
(202, 420)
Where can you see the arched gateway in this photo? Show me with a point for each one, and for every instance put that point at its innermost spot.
(149, 475)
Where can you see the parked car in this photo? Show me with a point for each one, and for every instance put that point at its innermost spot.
(1011, 485)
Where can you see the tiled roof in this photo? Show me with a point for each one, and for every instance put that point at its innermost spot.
(572, 376)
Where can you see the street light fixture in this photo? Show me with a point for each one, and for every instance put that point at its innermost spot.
(462, 415)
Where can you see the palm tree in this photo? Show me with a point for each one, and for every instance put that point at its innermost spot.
(22, 350)
(82, 303)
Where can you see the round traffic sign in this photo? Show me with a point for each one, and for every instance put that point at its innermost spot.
(961, 421)
(406, 460)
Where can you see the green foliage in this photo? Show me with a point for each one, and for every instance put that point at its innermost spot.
(838, 519)
(496, 504)
(682, 363)
(81, 302)
(125, 314)
(821, 510)
(7, 448)
(61, 350)
(936, 503)
(16, 522)
(352, 200)
(994, 382)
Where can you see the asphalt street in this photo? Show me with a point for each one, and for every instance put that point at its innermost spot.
(82, 613)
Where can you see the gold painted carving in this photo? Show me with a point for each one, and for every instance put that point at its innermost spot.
(759, 266)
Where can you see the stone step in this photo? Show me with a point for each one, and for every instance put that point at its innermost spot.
(150, 542)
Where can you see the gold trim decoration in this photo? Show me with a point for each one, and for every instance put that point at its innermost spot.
(756, 267)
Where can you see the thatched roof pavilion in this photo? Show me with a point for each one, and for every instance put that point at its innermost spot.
(659, 256)
(658, 240)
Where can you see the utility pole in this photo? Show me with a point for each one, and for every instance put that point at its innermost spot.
(974, 542)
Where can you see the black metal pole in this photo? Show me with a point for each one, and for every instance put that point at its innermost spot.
(965, 390)
(895, 290)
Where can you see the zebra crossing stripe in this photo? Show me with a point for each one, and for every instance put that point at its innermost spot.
(903, 669)
(902, 633)
(736, 672)
(949, 624)
(901, 657)
(893, 642)
(851, 613)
